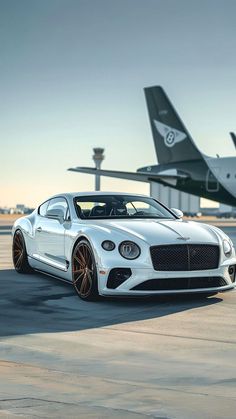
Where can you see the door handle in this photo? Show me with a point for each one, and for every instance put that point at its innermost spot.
(39, 229)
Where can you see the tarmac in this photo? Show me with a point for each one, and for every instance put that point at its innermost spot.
(60, 357)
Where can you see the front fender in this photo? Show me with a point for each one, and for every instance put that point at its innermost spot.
(105, 259)
(24, 225)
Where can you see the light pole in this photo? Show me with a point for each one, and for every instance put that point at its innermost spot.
(98, 157)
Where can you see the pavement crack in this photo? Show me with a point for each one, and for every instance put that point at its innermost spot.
(169, 335)
(114, 409)
(37, 399)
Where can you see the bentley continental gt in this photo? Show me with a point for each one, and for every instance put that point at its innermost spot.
(118, 244)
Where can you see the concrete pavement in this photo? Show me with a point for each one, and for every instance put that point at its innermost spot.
(61, 357)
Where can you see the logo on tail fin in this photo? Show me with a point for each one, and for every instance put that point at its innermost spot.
(171, 135)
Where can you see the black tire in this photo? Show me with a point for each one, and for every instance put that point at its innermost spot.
(19, 254)
(84, 271)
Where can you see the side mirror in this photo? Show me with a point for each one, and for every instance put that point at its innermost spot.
(56, 214)
(178, 213)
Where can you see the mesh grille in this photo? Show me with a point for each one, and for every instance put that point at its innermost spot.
(185, 257)
(167, 284)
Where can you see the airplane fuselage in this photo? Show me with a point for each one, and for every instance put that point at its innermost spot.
(211, 178)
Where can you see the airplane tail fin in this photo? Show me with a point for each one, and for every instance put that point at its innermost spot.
(233, 136)
(172, 141)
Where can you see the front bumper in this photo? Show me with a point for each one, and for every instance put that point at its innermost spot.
(141, 275)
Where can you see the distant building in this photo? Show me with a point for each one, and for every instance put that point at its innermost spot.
(227, 211)
(173, 198)
(18, 209)
(4, 210)
(226, 208)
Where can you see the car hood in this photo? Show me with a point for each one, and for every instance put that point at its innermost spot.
(163, 231)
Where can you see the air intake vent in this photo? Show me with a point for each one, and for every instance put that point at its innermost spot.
(172, 284)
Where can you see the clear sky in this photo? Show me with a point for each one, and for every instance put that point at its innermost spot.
(72, 74)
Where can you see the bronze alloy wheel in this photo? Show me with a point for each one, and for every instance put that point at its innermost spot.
(19, 254)
(84, 274)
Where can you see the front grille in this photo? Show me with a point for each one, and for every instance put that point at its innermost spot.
(185, 257)
(168, 284)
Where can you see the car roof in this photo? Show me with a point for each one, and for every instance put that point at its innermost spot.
(94, 193)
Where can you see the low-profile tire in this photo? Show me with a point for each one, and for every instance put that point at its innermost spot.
(19, 254)
(84, 271)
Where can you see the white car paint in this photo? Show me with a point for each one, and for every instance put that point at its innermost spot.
(58, 240)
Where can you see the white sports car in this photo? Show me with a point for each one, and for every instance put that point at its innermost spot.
(121, 244)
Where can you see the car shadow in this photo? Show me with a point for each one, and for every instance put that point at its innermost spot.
(40, 304)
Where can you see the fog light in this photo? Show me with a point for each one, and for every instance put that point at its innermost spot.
(231, 271)
(108, 245)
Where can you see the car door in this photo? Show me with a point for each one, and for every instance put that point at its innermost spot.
(50, 235)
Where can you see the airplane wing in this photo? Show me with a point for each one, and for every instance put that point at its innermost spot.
(167, 176)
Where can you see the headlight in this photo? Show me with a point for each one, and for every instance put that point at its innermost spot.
(129, 250)
(227, 248)
(108, 245)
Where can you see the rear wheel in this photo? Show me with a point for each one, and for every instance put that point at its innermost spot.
(84, 272)
(19, 254)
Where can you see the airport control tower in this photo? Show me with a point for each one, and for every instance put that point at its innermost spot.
(98, 157)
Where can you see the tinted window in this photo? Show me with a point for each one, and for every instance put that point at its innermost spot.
(43, 209)
(58, 203)
(120, 206)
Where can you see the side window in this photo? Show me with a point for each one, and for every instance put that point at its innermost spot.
(58, 203)
(43, 209)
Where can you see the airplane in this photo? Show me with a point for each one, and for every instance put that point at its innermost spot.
(181, 165)
(233, 136)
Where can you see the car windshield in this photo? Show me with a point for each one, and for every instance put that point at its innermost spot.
(120, 206)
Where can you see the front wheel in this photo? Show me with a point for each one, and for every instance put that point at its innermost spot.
(19, 254)
(84, 272)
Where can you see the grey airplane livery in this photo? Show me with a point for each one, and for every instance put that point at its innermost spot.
(181, 165)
